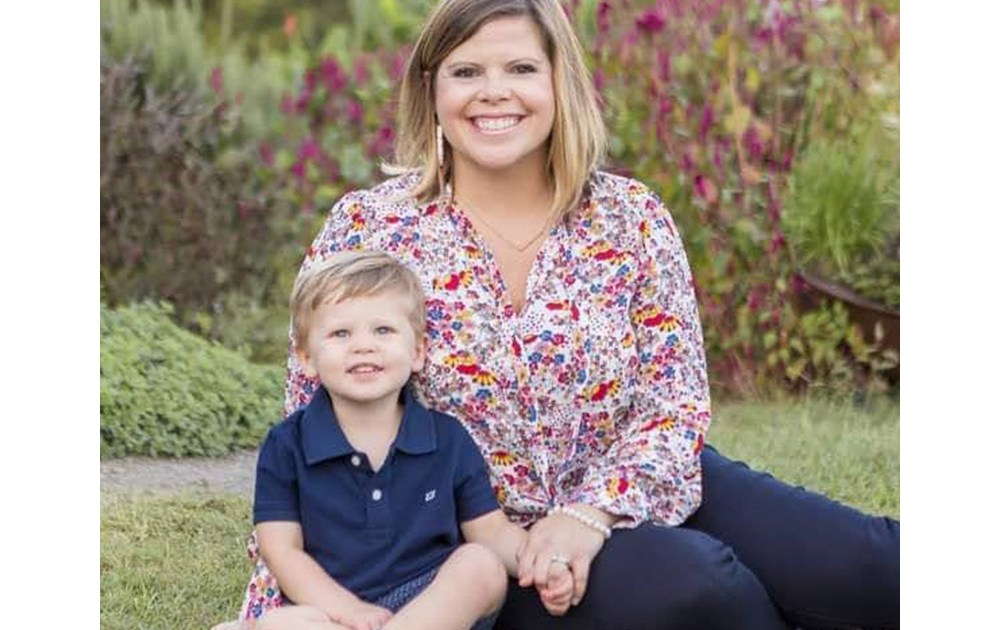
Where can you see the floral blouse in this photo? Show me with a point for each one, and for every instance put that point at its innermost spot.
(597, 391)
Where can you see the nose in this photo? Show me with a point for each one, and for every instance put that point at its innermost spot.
(494, 88)
(363, 344)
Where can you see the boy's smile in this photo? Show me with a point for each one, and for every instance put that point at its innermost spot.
(363, 349)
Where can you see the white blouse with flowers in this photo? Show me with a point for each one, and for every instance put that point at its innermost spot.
(596, 392)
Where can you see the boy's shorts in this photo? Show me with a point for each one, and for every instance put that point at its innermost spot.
(263, 593)
(402, 594)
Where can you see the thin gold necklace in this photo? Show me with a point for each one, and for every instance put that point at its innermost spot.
(520, 248)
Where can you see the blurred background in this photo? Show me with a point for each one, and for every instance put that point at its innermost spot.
(770, 128)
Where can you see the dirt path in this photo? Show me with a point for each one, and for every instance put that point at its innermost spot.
(232, 474)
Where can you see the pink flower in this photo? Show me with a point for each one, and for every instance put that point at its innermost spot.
(598, 80)
(777, 242)
(705, 188)
(266, 153)
(707, 118)
(309, 150)
(355, 112)
(361, 71)
(215, 80)
(604, 18)
(333, 77)
(650, 21)
(384, 139)
(663, 61)
(287, 104)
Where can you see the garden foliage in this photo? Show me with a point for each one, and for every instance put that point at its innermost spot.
(166, 391)
(718, 106)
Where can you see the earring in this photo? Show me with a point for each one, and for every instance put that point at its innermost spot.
(440, 146)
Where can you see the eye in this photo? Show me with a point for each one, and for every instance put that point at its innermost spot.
(524, 68)
(384, 330)
(464, 72)
(340, 333)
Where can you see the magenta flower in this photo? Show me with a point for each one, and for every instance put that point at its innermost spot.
(650, 21)
(355, 112)
(777, 242)
(707, 118)
(333, 76)
(705, 188)
(309, 150)
(599, 80)
(604, 18)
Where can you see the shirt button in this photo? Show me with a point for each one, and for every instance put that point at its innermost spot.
(376, 494)
(355, 460)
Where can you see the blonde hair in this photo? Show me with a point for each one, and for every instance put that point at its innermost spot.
(578, 142)
(351, 274)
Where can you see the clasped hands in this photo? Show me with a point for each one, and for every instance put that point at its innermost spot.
(555, 558)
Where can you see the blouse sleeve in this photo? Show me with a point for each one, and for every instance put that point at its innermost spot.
(345, 228)
(652, 471)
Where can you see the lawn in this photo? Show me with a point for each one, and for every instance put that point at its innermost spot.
(177, 562)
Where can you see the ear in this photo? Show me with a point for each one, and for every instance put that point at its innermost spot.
(302, 354)
(419, 355)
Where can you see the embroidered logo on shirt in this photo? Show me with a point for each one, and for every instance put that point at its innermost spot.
(430, 496)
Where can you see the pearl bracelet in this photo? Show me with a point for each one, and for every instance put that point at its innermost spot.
(583, 518)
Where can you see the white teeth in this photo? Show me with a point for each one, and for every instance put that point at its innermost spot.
(364, 369)
(496, 124)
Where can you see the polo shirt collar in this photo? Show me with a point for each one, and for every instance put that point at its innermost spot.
(323, 439)
(416, 431)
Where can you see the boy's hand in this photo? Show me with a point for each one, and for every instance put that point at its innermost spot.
(557, 592)
(364, 616)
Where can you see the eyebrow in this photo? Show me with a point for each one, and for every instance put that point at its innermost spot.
(460, 63)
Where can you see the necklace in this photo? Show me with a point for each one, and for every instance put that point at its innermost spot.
(500, 235)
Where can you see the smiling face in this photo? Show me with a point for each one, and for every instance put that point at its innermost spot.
(494, 98)
(363, 349)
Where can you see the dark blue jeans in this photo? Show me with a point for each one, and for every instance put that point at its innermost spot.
(758, 554)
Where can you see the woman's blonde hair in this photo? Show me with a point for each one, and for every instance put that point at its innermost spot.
(578, 142)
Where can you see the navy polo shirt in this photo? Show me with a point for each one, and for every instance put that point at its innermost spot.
(372, 531)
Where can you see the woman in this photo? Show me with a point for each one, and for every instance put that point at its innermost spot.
(564, 333)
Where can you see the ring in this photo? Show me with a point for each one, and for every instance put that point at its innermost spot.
(561, 559)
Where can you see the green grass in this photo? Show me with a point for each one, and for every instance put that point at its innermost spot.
(177, 561)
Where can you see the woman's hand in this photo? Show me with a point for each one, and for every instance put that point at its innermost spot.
(559, 535)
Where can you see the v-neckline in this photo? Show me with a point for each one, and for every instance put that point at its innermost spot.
(496, 278)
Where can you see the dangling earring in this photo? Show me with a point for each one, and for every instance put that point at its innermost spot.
(440, 146)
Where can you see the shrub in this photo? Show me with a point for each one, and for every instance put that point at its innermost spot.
(165, 391)
(183, 217)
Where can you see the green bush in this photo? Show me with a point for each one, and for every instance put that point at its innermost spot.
(165, 391)
(183, 216)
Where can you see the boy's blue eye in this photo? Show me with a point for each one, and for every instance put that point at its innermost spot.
(340, 333)
(383, 330)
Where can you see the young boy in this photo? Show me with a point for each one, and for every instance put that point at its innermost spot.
(363, 496)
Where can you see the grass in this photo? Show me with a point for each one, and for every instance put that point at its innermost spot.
(176, 561)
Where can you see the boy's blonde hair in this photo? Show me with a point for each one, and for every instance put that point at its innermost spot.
(578, 142)
(351, 274)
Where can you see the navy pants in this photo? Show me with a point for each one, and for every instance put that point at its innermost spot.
(757, 555)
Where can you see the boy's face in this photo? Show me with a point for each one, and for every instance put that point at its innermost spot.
(363, 349)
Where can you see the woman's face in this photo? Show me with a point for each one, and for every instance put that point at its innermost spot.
(494, 98)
